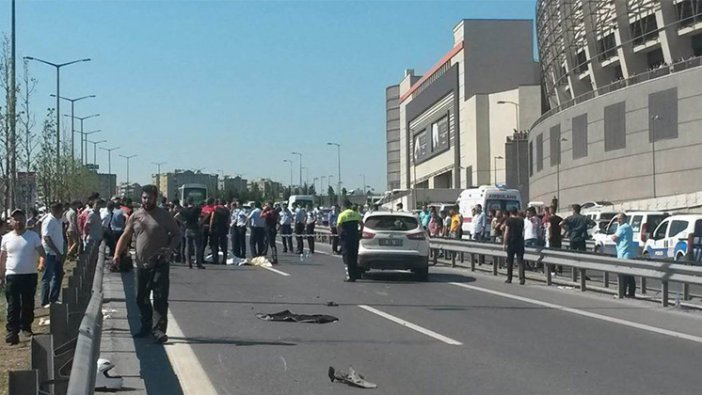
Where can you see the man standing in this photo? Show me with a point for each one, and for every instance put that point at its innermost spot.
(106, 218)
(218, 232)
(478, 223)
(624, 237)
(94, 231)
(300, 217)
(513, 243)
(576, 225)
(52, 240)
(425, 217)
(207, 211)
(553, 233)
(309, 227)
(19, 252)
(270, 217)
(72, 231)
(118, 220)
(333, 218)
(157, 237)
(258, 231)
(350, 226)
(241, 219)
(286, 221)
(190, 216)
(532, 226)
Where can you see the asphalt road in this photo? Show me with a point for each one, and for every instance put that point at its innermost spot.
(489, 338)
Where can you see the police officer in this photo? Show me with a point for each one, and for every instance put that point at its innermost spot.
(349, 226)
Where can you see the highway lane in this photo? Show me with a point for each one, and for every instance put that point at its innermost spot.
(506, 345)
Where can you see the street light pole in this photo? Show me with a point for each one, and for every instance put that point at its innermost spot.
(338, 172)
(73, 118)
(86, 134)
(495, 170)
(95, 143)
(291, 176)
(58, 101)
(128, 158)
(109, 158)
(83, 138)
(300, 155)
(654, 118)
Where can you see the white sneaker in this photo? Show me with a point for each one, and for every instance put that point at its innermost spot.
(46, 306)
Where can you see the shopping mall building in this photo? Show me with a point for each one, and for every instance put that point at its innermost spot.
(623, 84)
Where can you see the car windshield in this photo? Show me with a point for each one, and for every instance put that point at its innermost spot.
(501, 204)
(391, 222)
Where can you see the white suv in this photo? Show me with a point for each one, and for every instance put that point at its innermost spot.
(642, 224)
(394, 241)
(672, 236)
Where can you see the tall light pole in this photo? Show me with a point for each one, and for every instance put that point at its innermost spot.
(338, 170)
(307, 174)
(158, 174)
(12, 108)
(86, 134)
(58, 101)
(95, 143)
(495, 161)
(83, 144)
(128, 158)
(291, 165)
(654, 118)
(109, 162)
(73, 118)
(300, 155)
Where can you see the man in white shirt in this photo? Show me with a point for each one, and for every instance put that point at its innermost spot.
(309, 227)
(478, 223)
(94, 231)
(52, 240)
(532, 228)
(19, 253)
(286, 222)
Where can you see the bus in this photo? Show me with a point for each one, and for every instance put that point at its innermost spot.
(196, 191)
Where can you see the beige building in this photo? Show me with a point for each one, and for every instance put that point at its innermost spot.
(454, 120)
(168, 183)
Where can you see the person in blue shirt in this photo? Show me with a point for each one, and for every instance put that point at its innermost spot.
(300, 219)
(425, 217)
(626, 249)
(257, 223)
(333, 217)
(286, 222)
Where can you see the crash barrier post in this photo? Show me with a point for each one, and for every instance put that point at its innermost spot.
(24, 382)
(582, 262)
(52, 354)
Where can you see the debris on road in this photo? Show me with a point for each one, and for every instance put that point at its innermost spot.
(332, 304)
(258, 261)
(350, 377)
(288, 316)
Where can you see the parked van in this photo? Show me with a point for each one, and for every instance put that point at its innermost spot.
(490, 198)
(672, 236)
(642, 222)
(600, 217)
(302, 200)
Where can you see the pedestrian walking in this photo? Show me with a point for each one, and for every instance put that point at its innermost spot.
(309, 227)
(271, 217)
(286, 222)
(191, 219)
(72, 232)
(157, 236)
(106, 222)
(333, 219)
(119, 219)
(513, 244)
(258, 231)
(219, 227)
(350, 227)
(300, 218)
(576, 225)
(626, 249)
(52, 240)
(19, 252)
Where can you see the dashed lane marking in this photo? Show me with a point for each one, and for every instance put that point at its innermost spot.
(412, 326)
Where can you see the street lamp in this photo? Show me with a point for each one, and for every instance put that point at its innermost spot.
(83, 138)
(158, 174)
(297, 153)
(128, 158)
(654, 118)
(58, 101)
(109, 157)
(307, 174)
(73, 129)
(95, 143)
(338, 173)
(495, 161)
(291, 165)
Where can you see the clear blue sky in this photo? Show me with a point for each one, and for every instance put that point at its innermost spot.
(239, 85)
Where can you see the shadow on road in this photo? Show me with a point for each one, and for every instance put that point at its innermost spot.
(399, 277)
(155, 368)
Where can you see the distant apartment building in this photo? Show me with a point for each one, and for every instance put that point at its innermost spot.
(107, 185)
(233, 186)
(269, 188)
(454, 120)
(130, 191)
(168, 183)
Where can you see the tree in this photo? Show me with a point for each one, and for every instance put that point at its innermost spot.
(332, 195)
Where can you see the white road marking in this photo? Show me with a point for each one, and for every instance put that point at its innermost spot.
(412, 326)
(585, 313)
(276, 271)
(192, 377)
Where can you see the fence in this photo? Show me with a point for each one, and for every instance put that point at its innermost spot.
(73, 325)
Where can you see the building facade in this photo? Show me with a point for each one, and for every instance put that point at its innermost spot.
(107, 185)
(392, 109)
(233, 186)
(622, 80)
(455, 119)
(168, 183)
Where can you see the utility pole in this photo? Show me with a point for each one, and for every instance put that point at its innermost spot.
(128, 158)
(109, 164)
(12, 109)
(158, 174)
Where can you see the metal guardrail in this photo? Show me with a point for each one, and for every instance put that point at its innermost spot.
(82, 379)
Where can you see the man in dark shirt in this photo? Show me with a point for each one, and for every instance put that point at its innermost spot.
(576, 225)
(513, 243)
(157, 236)
(219, 227)
(270, 215)
(191, 218)
(555, 238)
(350, 227)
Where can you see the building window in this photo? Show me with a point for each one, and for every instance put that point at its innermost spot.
(608, 47)
(615, 126)
(531, 158)
(539, 152)
(581, 58)
(697, 44)
(663, 115)
(644, 29)
(555, 144)
(580, 136)
(469, 176)
(689, 12)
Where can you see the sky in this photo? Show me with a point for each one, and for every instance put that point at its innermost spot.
(233, 87)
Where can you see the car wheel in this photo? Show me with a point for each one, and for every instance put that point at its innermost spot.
(422, 274)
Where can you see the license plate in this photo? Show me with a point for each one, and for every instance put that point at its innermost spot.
(391, 242)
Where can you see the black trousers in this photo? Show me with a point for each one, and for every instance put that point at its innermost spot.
(335, 240)
(110, 239)
(205, 240)
(271, 234)
(349, 254)
(286, 232)
(299, 231)
(629, 283)
(257, 241)
(218, 242)
(193, 246)
(519, 253)
(239, 242)
(153, 280)
(19, 293)
(578, 245)
(309, 229)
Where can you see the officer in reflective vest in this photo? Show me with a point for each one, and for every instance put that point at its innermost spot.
(349, 226)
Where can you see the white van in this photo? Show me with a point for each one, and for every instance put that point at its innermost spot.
(641, 222)
(302, 200)
(671, 237)
(490, 198)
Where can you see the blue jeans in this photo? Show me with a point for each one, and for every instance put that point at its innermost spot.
(51, 280)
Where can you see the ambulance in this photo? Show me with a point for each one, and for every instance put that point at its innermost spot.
(490, 198)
